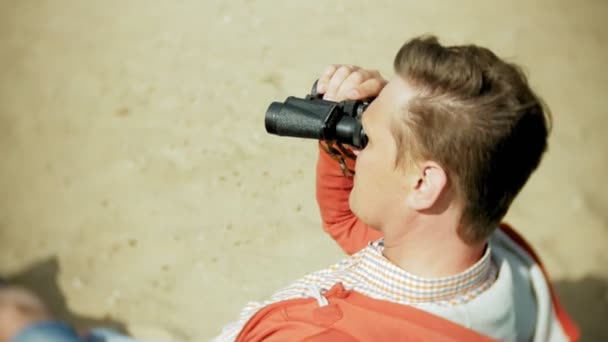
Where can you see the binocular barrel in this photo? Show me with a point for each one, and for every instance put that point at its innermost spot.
(314, 118)
(296, 118)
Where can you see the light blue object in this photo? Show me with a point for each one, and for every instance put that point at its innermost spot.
(108, 335)
(55, 331)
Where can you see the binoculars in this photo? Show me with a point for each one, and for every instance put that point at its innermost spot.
(314, 118)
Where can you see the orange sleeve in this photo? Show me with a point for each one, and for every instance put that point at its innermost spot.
(333, 190)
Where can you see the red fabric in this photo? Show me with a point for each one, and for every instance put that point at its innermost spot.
(567, 323)
(350, 316)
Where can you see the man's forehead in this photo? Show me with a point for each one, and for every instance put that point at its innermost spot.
(398, 91)
(395, 96)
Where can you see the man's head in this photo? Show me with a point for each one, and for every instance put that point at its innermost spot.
(458, 128)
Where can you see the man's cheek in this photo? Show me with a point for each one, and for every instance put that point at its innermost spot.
(355, 194)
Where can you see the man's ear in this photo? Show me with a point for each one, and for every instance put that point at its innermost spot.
(427, 185)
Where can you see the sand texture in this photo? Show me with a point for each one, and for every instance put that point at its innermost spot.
(139, 189)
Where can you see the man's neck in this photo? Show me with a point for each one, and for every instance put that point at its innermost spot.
(431, 249)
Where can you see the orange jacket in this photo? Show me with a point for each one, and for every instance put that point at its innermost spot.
(350, 316)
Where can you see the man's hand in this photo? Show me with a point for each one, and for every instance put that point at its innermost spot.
(348, 82)
(18, 309)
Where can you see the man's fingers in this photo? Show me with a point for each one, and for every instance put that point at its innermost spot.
(340, 82)
(369, 88)
(350, 83)
(326, 75)
(336, 81)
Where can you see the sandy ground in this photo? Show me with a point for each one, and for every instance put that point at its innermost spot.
(138, 187)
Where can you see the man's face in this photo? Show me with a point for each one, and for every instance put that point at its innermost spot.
(380, 189)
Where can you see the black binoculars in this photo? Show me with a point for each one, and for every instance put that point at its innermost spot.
(314, 118)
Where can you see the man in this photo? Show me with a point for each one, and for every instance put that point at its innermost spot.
(453, 137)
(25, 318)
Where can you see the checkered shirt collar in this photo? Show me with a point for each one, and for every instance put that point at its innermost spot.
(407, 287)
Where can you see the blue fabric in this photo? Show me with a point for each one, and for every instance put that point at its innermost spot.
(54, 331)
(108, 335)
(50, 331)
